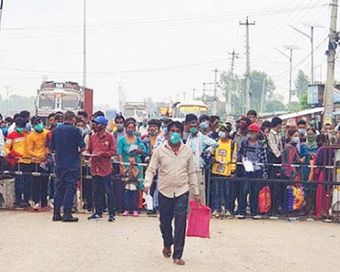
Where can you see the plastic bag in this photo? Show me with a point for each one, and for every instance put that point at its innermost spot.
(264, 200)
(199, 221)
(296, 197)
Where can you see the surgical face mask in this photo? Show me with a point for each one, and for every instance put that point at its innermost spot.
(165, 130)
(302, 131)
(311, 138)
(28, 127)
(4, 130)
(193, 130)
(174, 138)
(130, 132)
(39, 127)
(58, 124)
(295, 140)
(153, 132)
(20, 130)
(145, 124)
(204, 125)
(82, 130)
(222, 135)
(120, 127)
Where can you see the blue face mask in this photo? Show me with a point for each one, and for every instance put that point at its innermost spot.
(81, 131)
(130, 132)
(204, 125)
(58, 124)
(302, 131)
(4, 130)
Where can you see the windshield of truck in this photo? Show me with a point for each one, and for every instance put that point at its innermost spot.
(47, 101)
(69, 102)
(197, 110)
(142, 113)
(129, 112)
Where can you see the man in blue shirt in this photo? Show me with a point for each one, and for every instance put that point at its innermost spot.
(67, 142)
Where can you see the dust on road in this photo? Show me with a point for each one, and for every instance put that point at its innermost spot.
(32, 242)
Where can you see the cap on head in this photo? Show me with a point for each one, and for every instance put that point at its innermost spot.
(254, 128)
(100, 120)
(35, 120)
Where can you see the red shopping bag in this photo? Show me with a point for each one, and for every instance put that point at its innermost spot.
(199, 221)
(264, 200)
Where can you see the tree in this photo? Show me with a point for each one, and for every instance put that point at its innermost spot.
(301, 84)
(275, 105)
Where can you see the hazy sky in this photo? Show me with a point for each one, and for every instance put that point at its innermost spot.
(157, 48)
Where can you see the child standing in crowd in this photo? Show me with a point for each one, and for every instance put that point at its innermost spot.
(223, 167)
(252, 153)
(131, 146)
(131, 188)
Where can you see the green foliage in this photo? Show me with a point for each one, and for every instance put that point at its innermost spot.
(301, 84)
(257, 78)
(16, 104)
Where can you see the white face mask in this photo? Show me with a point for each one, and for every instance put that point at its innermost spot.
(222, 135)
(295, 140)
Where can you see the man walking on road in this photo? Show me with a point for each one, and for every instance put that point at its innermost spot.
(176, 170)
(67, 142)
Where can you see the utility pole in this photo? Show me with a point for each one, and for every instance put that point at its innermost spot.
(329, 90)
(84, 47)
(121, 98)
(232, 88)
(311, 38)
(262, 95)
(215, 92)
(248, 91)
(194, 94)
(1, 6)
(184, 95)
(205, 90)
(290, 57)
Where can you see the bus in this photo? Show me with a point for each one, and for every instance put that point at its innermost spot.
(181, 109)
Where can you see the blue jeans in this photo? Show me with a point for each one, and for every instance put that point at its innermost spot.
(131, 200)
(23, 183)
(99, 185)
(252, 188)
(222, 188)
(66, 187)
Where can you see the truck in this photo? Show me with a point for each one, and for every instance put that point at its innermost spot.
(61, 97)
(137, 110)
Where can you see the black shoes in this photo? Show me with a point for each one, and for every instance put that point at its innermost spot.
(111, 218)
(57, 217)
(69, 218)
(95, 217)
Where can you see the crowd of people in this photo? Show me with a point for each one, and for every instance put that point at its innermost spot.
(110, 159)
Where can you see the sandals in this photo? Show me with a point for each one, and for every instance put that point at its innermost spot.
(179, 262)
(166, 252)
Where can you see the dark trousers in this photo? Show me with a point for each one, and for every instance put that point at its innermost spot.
(170, 208)
(131, 200)
(119, 192)
(66, 187)
(40, 184)
(88, 192)
(252, 188)
(23, 183)
(99, 185)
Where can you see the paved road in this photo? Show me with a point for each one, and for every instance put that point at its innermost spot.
(31, 242)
